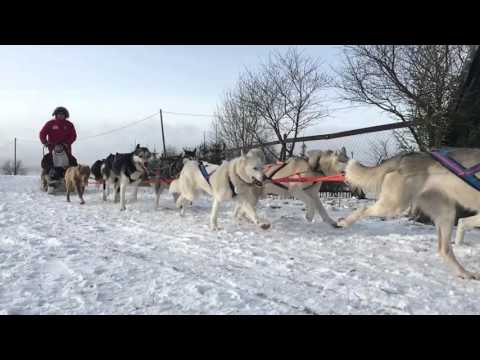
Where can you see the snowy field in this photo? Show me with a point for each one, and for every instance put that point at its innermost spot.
(61, 258)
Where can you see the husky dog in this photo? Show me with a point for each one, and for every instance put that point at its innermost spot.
(164, 169)
(240, 179)
(96, 170)
(76, 179)
(122, 170)
(106, 178)
(417, 180)
(190, 154)
(317, 163)
(188, 187)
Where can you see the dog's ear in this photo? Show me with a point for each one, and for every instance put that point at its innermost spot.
(343, 151)
(313, 156)
(138, 147)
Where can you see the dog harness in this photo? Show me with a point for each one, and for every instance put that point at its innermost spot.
(285, 186)
(466, 174)
(204, 171)
(273, 174)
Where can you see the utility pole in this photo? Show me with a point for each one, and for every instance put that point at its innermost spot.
(15, 156)
(163, 134)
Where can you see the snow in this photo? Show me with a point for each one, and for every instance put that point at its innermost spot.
(66, 258)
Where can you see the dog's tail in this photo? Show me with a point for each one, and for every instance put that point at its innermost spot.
(369, 179)
(173, 188)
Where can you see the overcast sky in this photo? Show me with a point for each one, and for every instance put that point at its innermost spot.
(105, 87)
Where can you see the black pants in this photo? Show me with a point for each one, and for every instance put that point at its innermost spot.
(55, 172)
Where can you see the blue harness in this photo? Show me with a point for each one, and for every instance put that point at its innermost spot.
(206, 175)
(466, 174)
(204, 172)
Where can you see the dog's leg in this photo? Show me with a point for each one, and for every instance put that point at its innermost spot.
(214, 215)
(181, 204)
(236, 211)
(105, 190)
(116, 190)
(239, 212)
(380, 209)
(123, 189)
(157, 195)
(79, 189)
(68, 193)
(251, 213)
(442, 211)
(321, 210)
(300, 194)
(444, 226)
(135, 192)
(393, 200)
(158, 191)
(466, 224)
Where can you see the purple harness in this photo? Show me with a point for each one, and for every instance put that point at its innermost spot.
(466, 174)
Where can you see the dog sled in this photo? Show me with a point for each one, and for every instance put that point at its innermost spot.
(54, 165)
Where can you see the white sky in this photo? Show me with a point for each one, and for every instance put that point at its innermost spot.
(105, 87)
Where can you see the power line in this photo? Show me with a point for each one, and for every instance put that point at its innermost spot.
(165, 112)
(28, 140)
(347, 107)
(119, 128)
(188, 114)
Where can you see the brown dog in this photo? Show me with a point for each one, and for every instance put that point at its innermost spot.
(76, 179)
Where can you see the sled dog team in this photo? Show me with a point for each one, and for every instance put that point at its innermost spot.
(406, 181)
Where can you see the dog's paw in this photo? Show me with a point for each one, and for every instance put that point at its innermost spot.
(308, 218)
(82, 202)
(341, 223)
(265, 226)
(467, 275)
(336, 226)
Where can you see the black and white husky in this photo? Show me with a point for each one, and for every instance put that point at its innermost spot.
(122, 170)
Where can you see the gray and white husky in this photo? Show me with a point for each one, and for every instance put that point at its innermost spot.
(317, 163)
(122, 170)
(417, 180)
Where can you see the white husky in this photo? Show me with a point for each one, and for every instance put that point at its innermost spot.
(317, 163)
(191, 184)
(417, 180)
(239, 179)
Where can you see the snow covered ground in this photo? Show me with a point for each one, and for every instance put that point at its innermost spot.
(61, 258)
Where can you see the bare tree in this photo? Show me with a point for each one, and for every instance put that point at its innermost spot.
(299, 81)
(8, 168)
(415, 82)
(238, 125)
(381, 150)
(284, 94)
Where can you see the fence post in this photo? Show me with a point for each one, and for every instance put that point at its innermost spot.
(283, 152)
(15, 156)
(163, 135)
